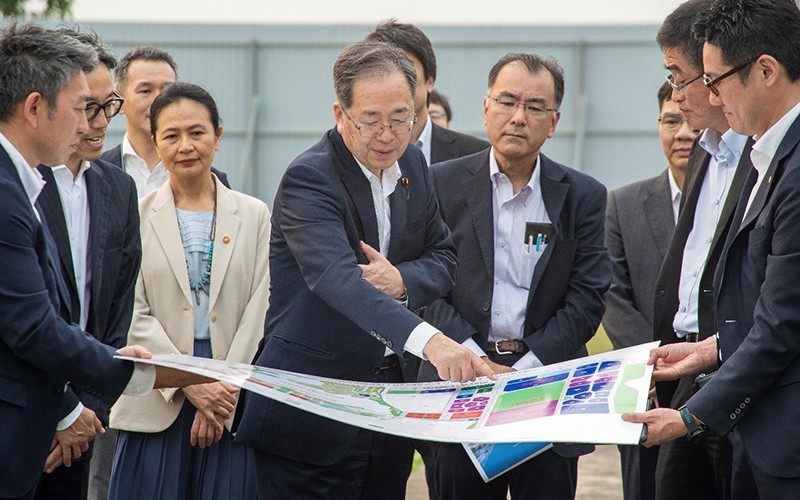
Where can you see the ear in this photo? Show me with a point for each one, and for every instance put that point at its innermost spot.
(429, 85)
(769, 69)
(553, 124)
(219, 137)
(34, 109)
(338, 115)
(485, 109)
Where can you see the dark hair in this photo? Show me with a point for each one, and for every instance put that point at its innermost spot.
(746, 29)
(407, 38)
(179, 91)
(664, 94)
(36, 59)
(437, 98)
(676, 31)
(91, 38)
(366, 59)
(142, 53)
(535, 64)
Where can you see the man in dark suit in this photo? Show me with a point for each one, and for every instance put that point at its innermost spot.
(91, 209)
(639, 222)
(141, 76)
(357, 247)
(717, 169)
(532, 270)
(753, 71)
(43, 95)
(437, 143)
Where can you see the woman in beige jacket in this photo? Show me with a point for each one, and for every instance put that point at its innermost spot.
(203, 290)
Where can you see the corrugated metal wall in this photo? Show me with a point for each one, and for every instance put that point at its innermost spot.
(274, 89)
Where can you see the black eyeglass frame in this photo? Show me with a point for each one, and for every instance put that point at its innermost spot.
(115, 104)
(711, 83)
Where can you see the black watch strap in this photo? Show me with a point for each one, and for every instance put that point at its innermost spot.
(695, 429)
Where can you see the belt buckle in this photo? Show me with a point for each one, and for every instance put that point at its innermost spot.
(497, 348)
(692, 337)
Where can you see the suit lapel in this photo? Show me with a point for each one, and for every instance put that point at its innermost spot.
(51, 209)
(227, 228)
(99, 203)
(554, 193)
(739, 177)
(477, 191)
(164, 222)
(398, 203)
(659, 215)
(65, 300)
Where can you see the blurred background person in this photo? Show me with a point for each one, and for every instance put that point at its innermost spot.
(640, 219)
(439, 109)
(203, 291)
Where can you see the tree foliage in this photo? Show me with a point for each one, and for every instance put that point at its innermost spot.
(22, 8)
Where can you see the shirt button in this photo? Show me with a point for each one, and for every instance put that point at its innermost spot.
(709, 240)
(683, 309)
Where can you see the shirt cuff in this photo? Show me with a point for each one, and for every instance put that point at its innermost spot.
(71, 418)
(142, 380)
(474, 347)
(419, 338)
(528, 361)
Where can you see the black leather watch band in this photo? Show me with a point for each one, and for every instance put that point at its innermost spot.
(695, 429)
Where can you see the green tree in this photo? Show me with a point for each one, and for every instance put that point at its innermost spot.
(19, 8)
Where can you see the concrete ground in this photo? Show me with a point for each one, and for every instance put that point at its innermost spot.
(598, 477)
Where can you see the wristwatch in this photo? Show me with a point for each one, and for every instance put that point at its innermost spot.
(696, 429)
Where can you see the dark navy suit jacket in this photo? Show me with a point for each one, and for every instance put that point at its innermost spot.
(323, 318)
(39, 348)
(567, 292)
(114, 157)
(757, 387)
(448, 144)
(115, 253)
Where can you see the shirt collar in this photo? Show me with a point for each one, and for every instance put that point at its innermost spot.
(674, 190)
(533, 183)
(127, 147)
(389, 178)
(424, 141)
(729, 144)
(32, 181)
(63, 171)
(766, 146)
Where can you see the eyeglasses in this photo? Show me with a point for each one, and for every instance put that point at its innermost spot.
(369, 130)
(509, 105)
(678, 87)
(111, 108)
(672, 122)
(712, 84)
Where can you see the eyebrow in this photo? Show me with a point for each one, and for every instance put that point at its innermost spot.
(672, 115)
(533, 100)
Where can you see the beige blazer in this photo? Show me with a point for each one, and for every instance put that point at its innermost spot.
(163, 319)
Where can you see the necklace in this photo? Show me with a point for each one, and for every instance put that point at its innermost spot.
(203, 285)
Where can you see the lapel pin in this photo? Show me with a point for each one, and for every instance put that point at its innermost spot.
(226, 240)
(404, 181)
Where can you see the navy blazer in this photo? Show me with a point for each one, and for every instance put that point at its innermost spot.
(448, 144)
(39, 348)
(115, 253)
(567, 293)
(323, 318)
(758, 318)
(114, 157)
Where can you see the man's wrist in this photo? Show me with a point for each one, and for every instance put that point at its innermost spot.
(695, 427)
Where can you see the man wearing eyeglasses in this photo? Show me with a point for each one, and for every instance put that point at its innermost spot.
(639, 223)
(91, 209)
(358, 248)
(753, 72)
(716, 171)
(533, 269)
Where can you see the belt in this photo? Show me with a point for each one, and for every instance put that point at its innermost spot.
(507, 347)
(690, 336)
(389, 362)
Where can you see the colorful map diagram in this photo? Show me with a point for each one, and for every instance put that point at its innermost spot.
(575, 401)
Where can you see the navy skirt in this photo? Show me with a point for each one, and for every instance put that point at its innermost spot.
(164, 465)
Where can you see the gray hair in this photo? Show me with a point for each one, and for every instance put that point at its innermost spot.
(36, 59)
(142, 53)
(367, 59)
(91, 38)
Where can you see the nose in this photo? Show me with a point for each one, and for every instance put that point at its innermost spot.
(83, 124)
(385, 135)
(677, 96)
(714, 99)
(685, 131)
(518, 116)
(100, 121)
(185, 143)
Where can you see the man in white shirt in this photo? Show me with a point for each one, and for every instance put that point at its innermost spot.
(43, 96)
(141, 76)
(92, 212)
(533, 269)
(752, 68)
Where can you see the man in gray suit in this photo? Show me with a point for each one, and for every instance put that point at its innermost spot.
(640, 219)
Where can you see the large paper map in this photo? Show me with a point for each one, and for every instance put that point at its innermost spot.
(576, 401)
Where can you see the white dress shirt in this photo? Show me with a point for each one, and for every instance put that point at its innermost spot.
(146, 181)
(381, 190)
(75, 204)
(675, 195)
(726, 151)
(424, 141)
(766, 146)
